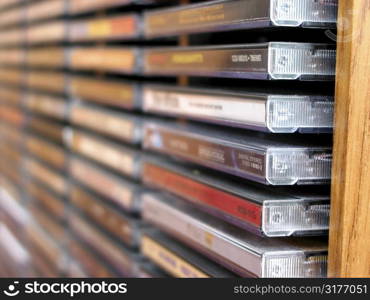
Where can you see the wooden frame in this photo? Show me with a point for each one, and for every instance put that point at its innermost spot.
(349, 242)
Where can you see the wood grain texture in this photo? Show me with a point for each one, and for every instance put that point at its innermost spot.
(349, 241)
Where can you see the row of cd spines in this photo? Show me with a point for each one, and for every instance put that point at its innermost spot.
(315, 261)
(210, 16)
(39, 240)
(264, 158)
(57, 251)
(18, 12)
(262, 61)
(52, 251)
(251, 255)
(132, 197)
(249, 206)
(258, 110)
(98, 243)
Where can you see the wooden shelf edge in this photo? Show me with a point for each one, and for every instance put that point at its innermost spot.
(349, 240)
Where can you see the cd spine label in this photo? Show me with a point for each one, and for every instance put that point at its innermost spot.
(45, 57)
(104, 59)
(114, 94)
(168, 260)
(101, 243)
(228, 62)
(46, 81)
(45, 175)
(196, 233)
(244, 162)
(54, 107)
(216, 15)
(108, 123)
(52, 204)
(88, 260)
(45, 10)
(203, 194)
(124, 27)
(104, 216)
(51, 32)
(219, 108)
(250, 162)
(102, 184)
(54, 155)
(103, 153)
(81, 6)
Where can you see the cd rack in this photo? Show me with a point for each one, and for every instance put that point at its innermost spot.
(138, 132)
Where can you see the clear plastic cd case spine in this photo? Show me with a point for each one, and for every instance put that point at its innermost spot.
(308, 13)
(273, 112)
(254, 159)
(288, 218)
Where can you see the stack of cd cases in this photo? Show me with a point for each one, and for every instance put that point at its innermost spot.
(155, 138)
(240, 167)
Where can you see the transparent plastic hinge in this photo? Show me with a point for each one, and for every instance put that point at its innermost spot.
(289, 114)
(294, 265)
(303, 166)
(310, 13)
(287, 218)
(301, 61)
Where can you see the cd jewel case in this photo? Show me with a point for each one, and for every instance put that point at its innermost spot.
(41, 242)
(107, 92)
(45, 151)
(45, 57)
(259, 209)
(274, 60)
(177, 259)
(266, 159)
(122, 27)
(54, 180)
(120, 258)
(37, 11)
(50, 32)
(84, 6)
(121, 126)
(47, 81)
(47, 200)
(43, 104)
(46, 128)
(107, 59)
(85, 261)
(116, 189)
(120, 158)
(226, 15)
(270, 112)
(121, 226)
(239, 251)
